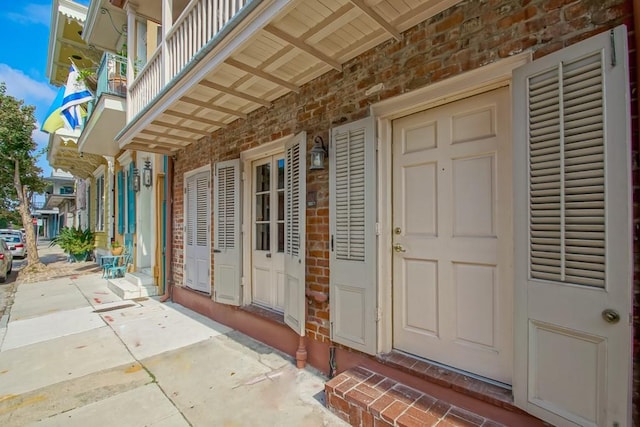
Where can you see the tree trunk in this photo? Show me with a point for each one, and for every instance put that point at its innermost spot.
(33, 258)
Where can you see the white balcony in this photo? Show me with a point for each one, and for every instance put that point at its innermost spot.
(223, 59)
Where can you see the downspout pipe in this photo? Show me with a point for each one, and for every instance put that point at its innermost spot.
(168, 230)
(635, 145)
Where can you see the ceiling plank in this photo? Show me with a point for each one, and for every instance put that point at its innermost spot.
(213, 107)
(159, 150)
(167, 136)
(167, 145)
(379, 19)
(262, 74)
(181, 128)
(303, 46)
(195, 118)
(235, 93)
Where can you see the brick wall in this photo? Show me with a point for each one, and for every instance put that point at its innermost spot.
(462, 38)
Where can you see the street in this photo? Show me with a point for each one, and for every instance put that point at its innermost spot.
(73, 353)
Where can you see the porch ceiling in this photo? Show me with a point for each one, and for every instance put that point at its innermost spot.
(299, 43)
(65, 42)
(63, 154)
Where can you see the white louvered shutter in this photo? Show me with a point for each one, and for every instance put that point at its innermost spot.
(352, 192)
(567, 174)
(295, 219)
(201, 233)
(226, 253)
(573, 229)
(189, 233)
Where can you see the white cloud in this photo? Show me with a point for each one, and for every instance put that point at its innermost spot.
(21, 86)
(32, 14)
(36, 93)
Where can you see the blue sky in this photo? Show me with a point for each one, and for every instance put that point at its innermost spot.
(24, 28)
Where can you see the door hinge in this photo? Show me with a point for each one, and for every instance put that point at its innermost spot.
(377, 228)
(243, 176)
(332, 243)
(378, 314)
(331, 330)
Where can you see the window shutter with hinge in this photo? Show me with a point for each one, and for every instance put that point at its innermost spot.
(226, 218)
(131, 206)
(573, 229)
(295, 219)
(352, 193)
(121, 191)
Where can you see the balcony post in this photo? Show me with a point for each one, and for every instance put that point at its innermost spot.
(132, 48)
(167, 24)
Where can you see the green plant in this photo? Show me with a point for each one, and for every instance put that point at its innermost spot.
(115, 244)
(74, 241)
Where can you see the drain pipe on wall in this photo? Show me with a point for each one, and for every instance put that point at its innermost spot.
(168, 230)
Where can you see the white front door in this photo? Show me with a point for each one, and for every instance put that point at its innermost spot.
(452, 235)
(574, 234)
(268, 224)
(197, 236)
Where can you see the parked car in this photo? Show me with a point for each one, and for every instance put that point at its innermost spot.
(6, 260)
(16, 243)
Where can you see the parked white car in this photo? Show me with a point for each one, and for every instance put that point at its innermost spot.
(6, 260)
(16, 243)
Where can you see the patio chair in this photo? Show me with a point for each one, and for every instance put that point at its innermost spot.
(120, 265)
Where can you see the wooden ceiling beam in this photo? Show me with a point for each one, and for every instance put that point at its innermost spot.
(262, 74)
(213, 107)
(379, 19)
(156, 149)
(195, 118)
(181, 128)
(303, 46)
(235, 93)
(166, 135)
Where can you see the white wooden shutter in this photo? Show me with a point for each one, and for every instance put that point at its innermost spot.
(189, 232)
(226, 217)
(294, 235)
(573, 233)
(352, 193)
(201, 232)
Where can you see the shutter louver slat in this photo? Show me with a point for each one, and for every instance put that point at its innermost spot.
(350, 200)
(292, 244)
(191, 206)
(566, 175)
(225, 229)
(202, 210)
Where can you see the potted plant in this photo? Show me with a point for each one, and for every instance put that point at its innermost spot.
(77, 243)
(116, 248)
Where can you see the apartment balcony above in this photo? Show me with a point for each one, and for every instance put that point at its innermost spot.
(222, 59)
(55, 200)
(107, 111)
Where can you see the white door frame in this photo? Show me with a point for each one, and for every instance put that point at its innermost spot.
(483, 79)
(246, 172)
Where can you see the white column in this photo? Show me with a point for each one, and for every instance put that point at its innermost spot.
(167, 23)
(131, 52)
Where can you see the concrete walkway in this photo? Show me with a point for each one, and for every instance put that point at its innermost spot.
(74, 354)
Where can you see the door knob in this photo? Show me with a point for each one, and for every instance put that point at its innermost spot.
(398, 248)
(610, 316)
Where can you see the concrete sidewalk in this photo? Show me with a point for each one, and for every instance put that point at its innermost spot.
(72, 353)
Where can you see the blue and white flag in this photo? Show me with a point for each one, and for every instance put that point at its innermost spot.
(75, 94)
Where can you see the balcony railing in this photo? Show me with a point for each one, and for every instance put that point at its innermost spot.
(111, 78)
(198, 23)
(112, 75)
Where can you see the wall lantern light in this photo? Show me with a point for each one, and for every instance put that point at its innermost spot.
(318, 153)
(147, 173)
(136, 180)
